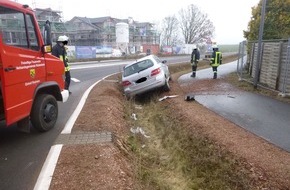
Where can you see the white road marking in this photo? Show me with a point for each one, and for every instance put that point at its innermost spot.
(75, 80)
(45, 176)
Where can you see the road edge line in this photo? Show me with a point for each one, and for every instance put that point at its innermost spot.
(45, 176)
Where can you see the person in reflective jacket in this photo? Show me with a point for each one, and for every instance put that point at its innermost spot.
(59, 50)
(216, 60)
(195, 56)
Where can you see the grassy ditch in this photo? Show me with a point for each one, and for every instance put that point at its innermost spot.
(171, 155)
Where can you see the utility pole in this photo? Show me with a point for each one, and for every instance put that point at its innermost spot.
(259, 56)
(33, 4)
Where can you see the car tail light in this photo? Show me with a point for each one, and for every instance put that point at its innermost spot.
(155, 71)
(126, 83)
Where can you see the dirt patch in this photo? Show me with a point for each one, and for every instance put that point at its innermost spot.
(93, 166)
(108, 165)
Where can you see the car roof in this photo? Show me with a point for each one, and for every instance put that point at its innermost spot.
(141, 59)
(146, 57)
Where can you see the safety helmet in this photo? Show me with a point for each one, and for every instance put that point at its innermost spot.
(214, 46)
(62, 38)
(194, 47)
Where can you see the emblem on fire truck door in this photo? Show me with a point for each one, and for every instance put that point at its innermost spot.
(32, 73)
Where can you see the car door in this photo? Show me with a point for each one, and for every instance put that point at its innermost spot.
(22, 64)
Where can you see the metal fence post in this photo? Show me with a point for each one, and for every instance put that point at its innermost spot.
(261, 30)
(284, 89)
(239, 56)
(242, 61)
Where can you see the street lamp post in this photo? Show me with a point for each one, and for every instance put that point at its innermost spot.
(261, 30)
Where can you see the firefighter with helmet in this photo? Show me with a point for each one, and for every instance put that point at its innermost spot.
(216, 60)
(195, 56)
(59, 50)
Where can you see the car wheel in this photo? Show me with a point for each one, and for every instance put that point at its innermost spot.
(44, 112)
(128, 97)
(166, 85)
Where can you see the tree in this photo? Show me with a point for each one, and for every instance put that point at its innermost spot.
(169, 30)
(195, 26)
(277, 21)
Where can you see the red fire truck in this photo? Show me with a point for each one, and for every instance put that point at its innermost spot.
(31, 79)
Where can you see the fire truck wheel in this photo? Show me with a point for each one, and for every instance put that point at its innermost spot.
(44, 112)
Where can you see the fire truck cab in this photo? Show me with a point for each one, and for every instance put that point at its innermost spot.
(31, 79)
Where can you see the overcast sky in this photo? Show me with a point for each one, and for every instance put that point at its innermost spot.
(230, 17)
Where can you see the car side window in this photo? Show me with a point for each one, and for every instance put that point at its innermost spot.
(13, 29)
(12, 26)
(33, 40)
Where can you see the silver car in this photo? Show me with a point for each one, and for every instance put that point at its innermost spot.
(145, 74)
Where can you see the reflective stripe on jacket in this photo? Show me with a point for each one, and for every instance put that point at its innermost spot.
(216, 59)
(61, 57)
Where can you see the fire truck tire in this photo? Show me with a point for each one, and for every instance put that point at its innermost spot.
(44, 112)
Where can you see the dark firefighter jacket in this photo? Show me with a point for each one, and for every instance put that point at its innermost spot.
(216, 59)
(195, 56)
(60, 52)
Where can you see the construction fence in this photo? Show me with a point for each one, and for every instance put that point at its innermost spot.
(274, 68)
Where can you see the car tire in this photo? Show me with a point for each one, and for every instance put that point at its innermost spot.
(44, 112)
(128, 96)
(166, 86)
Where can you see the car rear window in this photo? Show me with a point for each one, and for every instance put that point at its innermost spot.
(138, 67)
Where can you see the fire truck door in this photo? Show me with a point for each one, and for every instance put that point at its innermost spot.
(22, 63)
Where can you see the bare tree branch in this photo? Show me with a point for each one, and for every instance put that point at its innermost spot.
(195, 26)
(170, 30)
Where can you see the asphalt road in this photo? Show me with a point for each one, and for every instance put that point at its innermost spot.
(263, 116)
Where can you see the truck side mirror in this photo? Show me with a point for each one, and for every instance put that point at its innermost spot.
(47, 48)
(47, 33)
(47, 37)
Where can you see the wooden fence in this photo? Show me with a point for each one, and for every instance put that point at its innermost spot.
(274, 70)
